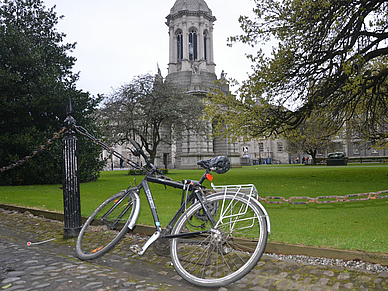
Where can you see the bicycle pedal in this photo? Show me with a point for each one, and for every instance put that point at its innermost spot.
(136, 249)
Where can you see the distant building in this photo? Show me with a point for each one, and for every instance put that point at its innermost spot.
(192, 68)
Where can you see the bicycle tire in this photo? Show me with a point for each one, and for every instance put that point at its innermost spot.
(106, 226)
(229, 251)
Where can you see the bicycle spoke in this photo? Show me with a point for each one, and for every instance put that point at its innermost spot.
(105, 227)
(230, 250)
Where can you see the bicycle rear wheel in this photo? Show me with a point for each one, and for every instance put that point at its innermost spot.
(225, 252)
(106, 226)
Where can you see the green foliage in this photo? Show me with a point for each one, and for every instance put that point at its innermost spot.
(36, 83)
(359, 127)
(327, 55)
(244, 117)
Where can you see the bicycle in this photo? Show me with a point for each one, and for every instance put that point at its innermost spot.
(215, 238)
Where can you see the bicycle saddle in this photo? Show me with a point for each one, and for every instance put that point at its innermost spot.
(218, 164)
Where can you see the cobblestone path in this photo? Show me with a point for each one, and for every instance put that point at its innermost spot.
(54, 266)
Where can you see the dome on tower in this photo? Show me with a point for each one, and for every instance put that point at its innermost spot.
(190, 5)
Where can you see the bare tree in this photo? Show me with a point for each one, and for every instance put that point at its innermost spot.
(151, 111)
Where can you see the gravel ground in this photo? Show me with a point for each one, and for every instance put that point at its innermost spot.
(376, 268)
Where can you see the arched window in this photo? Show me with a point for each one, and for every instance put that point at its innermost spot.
(205, 35)
(193, 51)
(179, 42)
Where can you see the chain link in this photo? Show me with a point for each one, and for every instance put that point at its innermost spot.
(325, 199)
(34, 153)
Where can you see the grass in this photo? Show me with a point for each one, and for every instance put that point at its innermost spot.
(350, 225)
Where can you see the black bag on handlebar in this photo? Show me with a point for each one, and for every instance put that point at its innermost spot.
(218, 164)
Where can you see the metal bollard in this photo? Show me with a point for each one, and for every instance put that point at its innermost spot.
(71, 192)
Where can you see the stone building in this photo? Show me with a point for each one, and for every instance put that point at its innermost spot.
(192, 68)
(264, 151)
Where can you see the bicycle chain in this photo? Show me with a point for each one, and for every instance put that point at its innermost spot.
(34, 153)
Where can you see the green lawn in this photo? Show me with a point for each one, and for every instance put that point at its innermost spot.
(351, 225)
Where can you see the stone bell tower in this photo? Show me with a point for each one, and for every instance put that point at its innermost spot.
(191, 60)
(192, 68)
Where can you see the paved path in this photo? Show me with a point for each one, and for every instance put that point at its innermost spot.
(54, 266)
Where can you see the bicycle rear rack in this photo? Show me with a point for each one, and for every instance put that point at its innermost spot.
(248, 189)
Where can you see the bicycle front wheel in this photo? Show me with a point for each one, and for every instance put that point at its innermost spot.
(106, 226)
(216, 255)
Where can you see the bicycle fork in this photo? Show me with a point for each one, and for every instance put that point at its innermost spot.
(136, 248)
(141, 250)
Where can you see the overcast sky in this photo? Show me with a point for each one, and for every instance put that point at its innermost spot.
(120, 39)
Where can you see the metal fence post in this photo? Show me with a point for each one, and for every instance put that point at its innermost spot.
(71, 192)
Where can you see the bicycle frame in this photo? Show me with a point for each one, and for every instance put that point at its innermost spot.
(213, 227)
(196, 192)
(208, 246)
